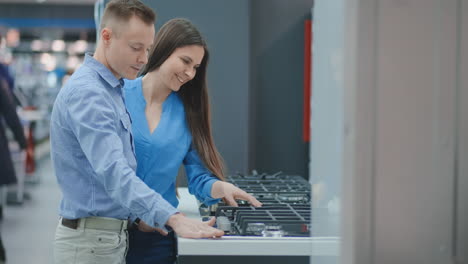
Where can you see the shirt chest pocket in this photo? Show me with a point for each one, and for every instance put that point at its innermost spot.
(127, 136)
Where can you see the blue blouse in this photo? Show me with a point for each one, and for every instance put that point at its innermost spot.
(160, 154)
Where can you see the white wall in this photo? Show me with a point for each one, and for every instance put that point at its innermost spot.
(327, 111)
(461, 231)
(413, 83)
(414, 151)
(326, 147)
(404, 94)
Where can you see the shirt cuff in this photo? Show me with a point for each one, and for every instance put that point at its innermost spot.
(162, 218)
(132, 218)
(207, 191)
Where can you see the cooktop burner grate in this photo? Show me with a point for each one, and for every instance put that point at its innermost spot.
(277, 220)
(285, 212)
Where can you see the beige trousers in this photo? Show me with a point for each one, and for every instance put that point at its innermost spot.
(92, 242)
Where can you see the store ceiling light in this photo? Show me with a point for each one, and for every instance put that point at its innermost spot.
(81, 46)
(78, 47)
(36, 45)
(58, 45)
(45, 58)
(48, 61)
(73, 62)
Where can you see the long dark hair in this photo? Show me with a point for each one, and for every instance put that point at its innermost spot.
(177, 33)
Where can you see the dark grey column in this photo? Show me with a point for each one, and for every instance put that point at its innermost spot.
(277, 59)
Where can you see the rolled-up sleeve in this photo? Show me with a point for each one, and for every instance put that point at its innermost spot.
(94, 122)
(200, 180)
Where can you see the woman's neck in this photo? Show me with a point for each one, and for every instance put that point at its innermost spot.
(154, 90)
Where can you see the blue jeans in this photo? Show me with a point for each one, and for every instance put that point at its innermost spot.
(151, 248)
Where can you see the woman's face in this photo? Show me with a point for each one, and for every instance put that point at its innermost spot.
(181, 66)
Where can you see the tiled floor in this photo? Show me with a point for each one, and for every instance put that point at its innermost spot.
(28, 230)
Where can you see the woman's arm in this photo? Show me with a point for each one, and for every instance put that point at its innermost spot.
(207, 188)
(230, 193)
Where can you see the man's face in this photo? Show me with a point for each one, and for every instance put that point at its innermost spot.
(127, 50)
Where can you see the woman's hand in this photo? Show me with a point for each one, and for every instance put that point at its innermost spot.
(230, 193)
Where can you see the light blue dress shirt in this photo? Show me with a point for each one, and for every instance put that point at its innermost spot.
(93, 154)
(161, 153)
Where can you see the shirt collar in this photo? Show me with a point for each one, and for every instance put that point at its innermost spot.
(102, 70)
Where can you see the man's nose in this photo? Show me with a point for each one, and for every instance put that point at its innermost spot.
(143, 57)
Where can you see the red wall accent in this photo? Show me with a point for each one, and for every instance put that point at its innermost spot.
(307, 79)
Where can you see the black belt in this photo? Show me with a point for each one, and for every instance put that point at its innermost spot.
(70, 223)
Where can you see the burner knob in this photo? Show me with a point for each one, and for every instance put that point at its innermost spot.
(223, 223)
(255, 228)
(204, 210)
(242, 202)
(273, 231)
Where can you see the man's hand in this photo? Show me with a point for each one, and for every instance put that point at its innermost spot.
(191, 228)
(230, 193)
(144, 227)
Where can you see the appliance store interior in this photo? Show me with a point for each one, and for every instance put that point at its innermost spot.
(345, 119)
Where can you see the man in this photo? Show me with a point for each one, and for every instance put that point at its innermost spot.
(93, 153)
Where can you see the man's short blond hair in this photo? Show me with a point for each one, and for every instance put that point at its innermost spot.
(124, 10)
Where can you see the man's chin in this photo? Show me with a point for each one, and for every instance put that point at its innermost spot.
(130, 76)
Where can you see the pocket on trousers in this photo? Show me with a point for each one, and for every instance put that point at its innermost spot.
(66, 235)
(111, 240)
(109, 248)
(64, 253)
(66, 245)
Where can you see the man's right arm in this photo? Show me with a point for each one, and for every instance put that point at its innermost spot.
(93, 121)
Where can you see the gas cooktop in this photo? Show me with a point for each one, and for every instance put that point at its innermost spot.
(270, 231)
(286, 210)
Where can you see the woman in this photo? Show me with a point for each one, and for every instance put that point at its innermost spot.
(171, 125)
